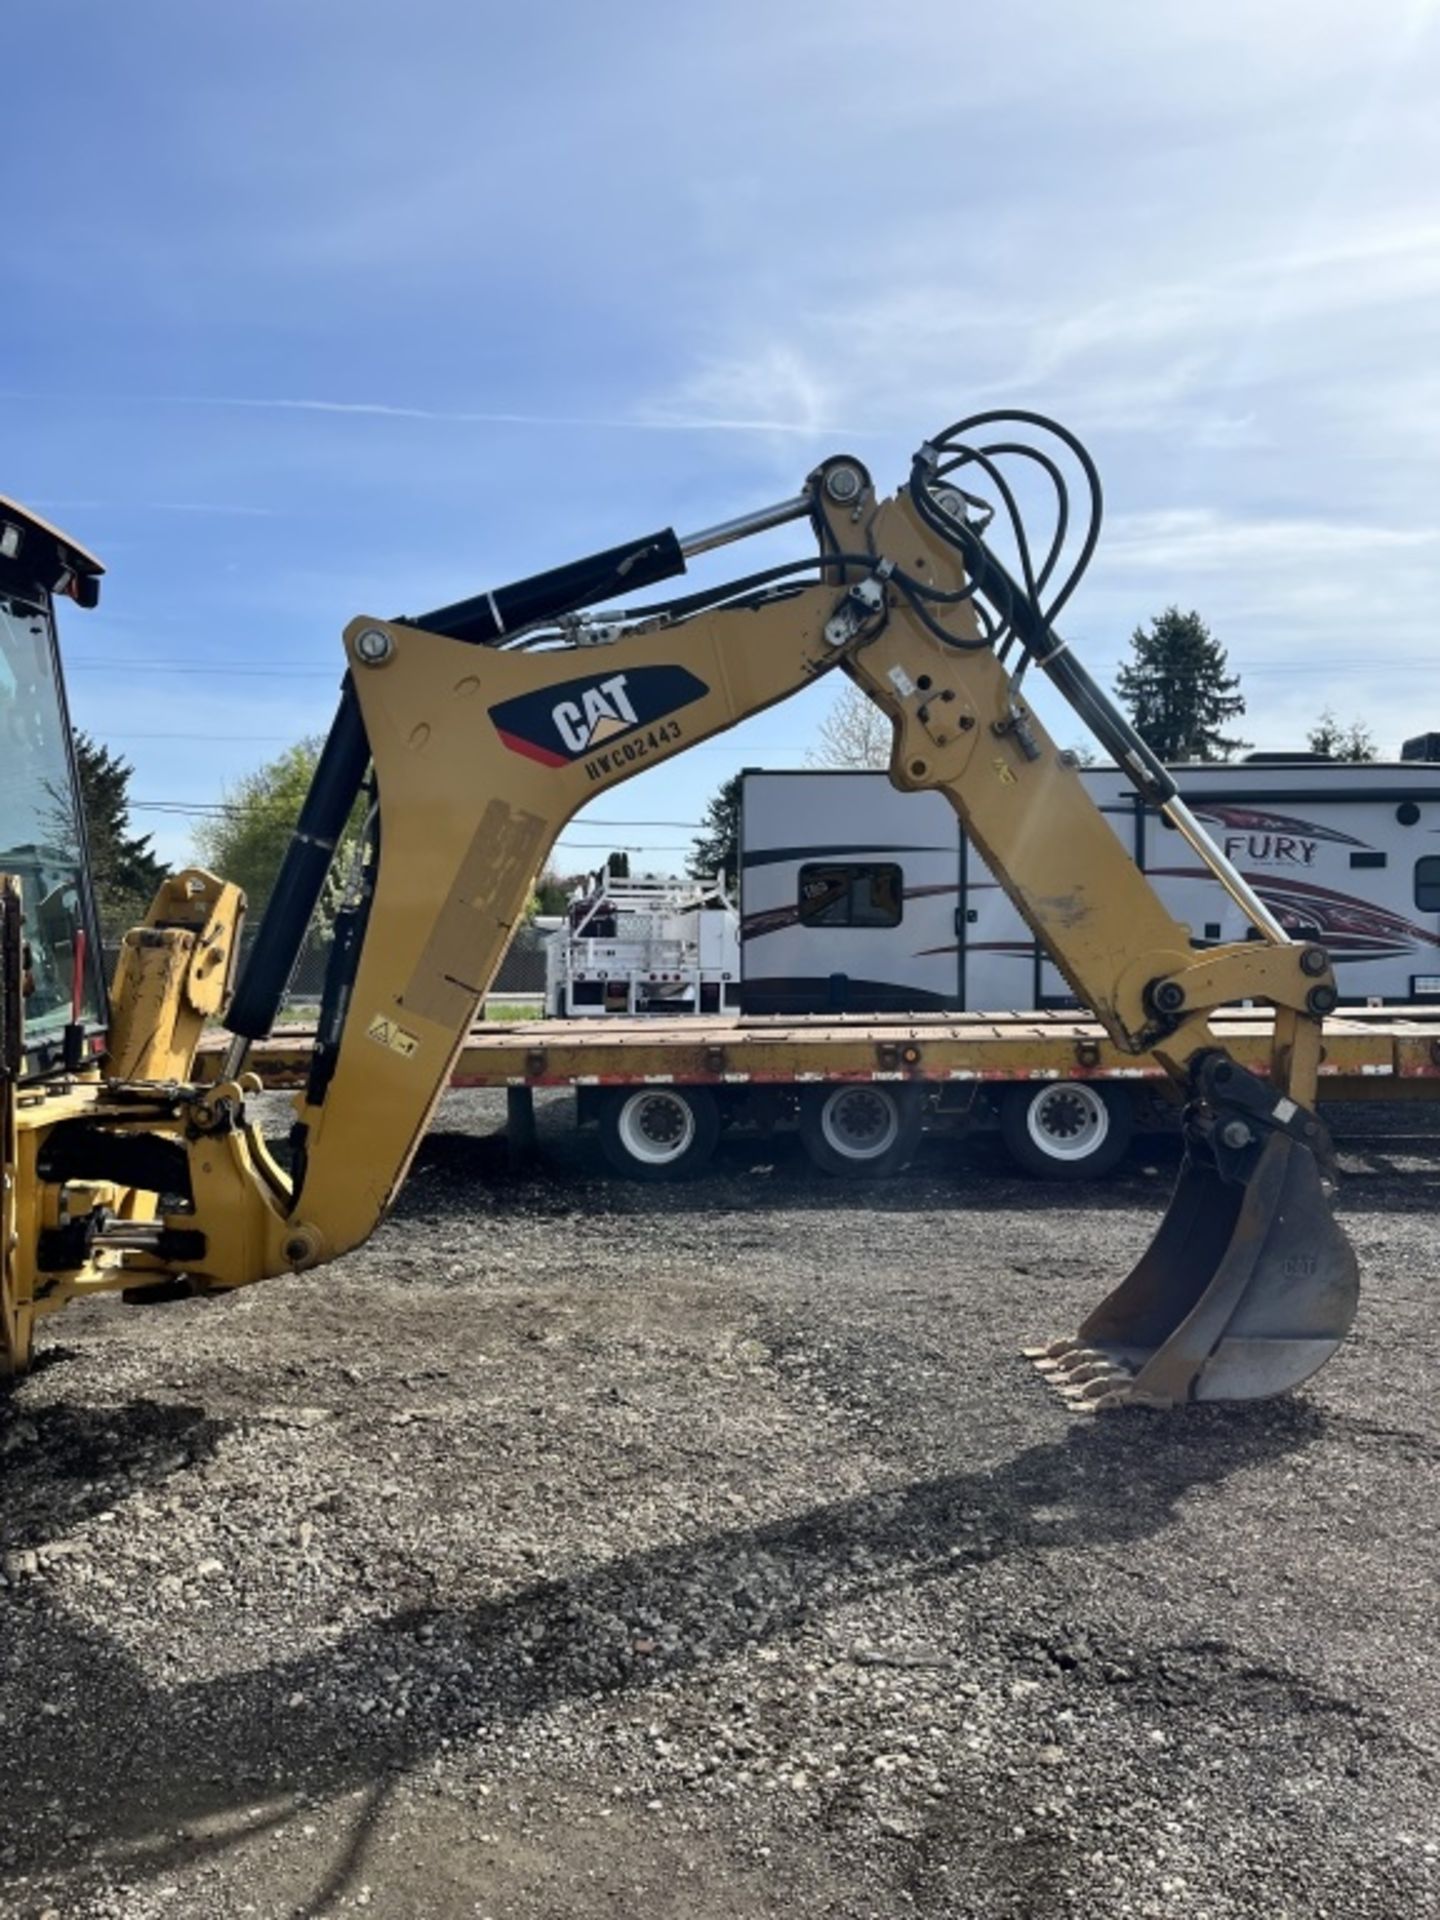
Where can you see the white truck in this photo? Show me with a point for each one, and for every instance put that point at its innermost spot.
(648, 945)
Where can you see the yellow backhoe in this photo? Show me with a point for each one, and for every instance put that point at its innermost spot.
(471, 735)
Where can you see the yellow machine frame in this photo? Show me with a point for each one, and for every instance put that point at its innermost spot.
(467, 816)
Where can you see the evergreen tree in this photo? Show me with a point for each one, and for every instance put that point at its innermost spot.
(618, 866)
(1355, 742)
(1178, 689)
(125, 870)
(717, 846)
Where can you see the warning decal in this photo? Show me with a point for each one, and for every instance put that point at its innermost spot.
(388, 1034)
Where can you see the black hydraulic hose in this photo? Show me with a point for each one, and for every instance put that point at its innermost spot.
(1018, 450)
(1022, 416)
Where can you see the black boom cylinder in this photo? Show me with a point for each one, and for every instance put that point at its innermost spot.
(544, 596)
(337, 780)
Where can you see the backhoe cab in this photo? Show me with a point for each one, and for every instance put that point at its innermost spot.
(468, 737)
(54, 1005)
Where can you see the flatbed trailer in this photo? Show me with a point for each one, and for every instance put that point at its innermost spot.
(861, 1089)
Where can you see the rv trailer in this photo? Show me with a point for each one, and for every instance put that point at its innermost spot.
(857, 898)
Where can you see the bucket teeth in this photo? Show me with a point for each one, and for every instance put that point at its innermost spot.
(1053, 1349)
(1085, 1377)
(1060, 1355)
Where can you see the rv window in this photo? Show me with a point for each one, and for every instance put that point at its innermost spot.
(1427, 883)
(851, 896)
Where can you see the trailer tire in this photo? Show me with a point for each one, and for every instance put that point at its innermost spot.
(1067, 1129)
(861, 1130)
(659, 1133)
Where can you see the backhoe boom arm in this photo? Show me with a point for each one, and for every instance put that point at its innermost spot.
(490, 724)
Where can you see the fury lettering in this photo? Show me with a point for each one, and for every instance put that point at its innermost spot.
(1271, 849)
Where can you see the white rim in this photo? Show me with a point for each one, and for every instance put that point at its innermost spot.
(861, 1123)
(1068, 1121)
(656, 1127)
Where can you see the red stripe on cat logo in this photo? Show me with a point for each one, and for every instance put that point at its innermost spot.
(545, 755)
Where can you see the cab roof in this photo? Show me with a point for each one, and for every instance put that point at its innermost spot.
(33, 548)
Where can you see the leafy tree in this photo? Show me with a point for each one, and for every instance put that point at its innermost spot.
(1352, 742)
(855, 733)
(552, 893)
(125, 870)
(717, 846)
(247, 842)
(1178, 689)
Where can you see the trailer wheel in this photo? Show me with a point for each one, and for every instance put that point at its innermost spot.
(659, 1133)
(861, 1129)
(1067, 1129)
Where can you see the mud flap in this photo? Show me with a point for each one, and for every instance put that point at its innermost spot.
(1247, 1289)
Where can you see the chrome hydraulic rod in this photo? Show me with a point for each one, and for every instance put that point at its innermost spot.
(1233, 881)
(744, 525)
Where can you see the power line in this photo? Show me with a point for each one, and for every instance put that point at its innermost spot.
(227, 673)
(200, 738)
(1322, 665)
(643, 846)
(230, 806)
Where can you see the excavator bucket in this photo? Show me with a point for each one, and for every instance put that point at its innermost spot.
(1247, 1288)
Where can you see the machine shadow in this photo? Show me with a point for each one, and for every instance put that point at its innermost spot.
(751, 1175)
(60, 1464)
(1384, 1177)
(231, 1754)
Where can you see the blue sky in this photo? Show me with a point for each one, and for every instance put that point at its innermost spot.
(345, 305)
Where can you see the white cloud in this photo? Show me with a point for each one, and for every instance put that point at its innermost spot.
(726, 397)
(1191, 539)
(773, 388)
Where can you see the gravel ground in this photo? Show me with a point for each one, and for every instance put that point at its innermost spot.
(578, 1549)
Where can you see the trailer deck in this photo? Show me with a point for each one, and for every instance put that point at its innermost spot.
(1389, 1052)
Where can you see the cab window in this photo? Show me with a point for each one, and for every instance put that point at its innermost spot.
(40, 831)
